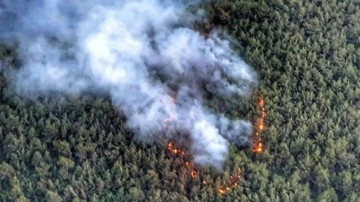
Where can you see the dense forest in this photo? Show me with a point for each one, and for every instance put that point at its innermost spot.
(307, 55)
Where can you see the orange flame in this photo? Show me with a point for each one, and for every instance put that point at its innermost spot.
(181, 152)
(169, 119)
(191, 168)
(258, 145)
(174, 150)
(233, 182)
(261, 102)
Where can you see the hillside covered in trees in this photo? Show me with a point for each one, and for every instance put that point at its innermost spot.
(307, 55)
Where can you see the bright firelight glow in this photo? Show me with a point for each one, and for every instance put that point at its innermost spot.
(257, 147)
(233, 182)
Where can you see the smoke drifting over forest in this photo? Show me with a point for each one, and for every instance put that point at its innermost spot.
(143, 53)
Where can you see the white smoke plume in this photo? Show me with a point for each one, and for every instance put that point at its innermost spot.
(141, 52)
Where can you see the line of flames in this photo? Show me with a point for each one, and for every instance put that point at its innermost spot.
(258, 147)
(258, 144)
(233, 181)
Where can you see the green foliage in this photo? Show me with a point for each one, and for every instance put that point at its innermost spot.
(307, 54)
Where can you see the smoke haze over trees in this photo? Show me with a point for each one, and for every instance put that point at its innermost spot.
(142, 54)
(78, 147)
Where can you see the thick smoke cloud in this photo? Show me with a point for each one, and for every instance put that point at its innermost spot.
(141, 52)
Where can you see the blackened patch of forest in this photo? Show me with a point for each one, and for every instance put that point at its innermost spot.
(307, 56)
